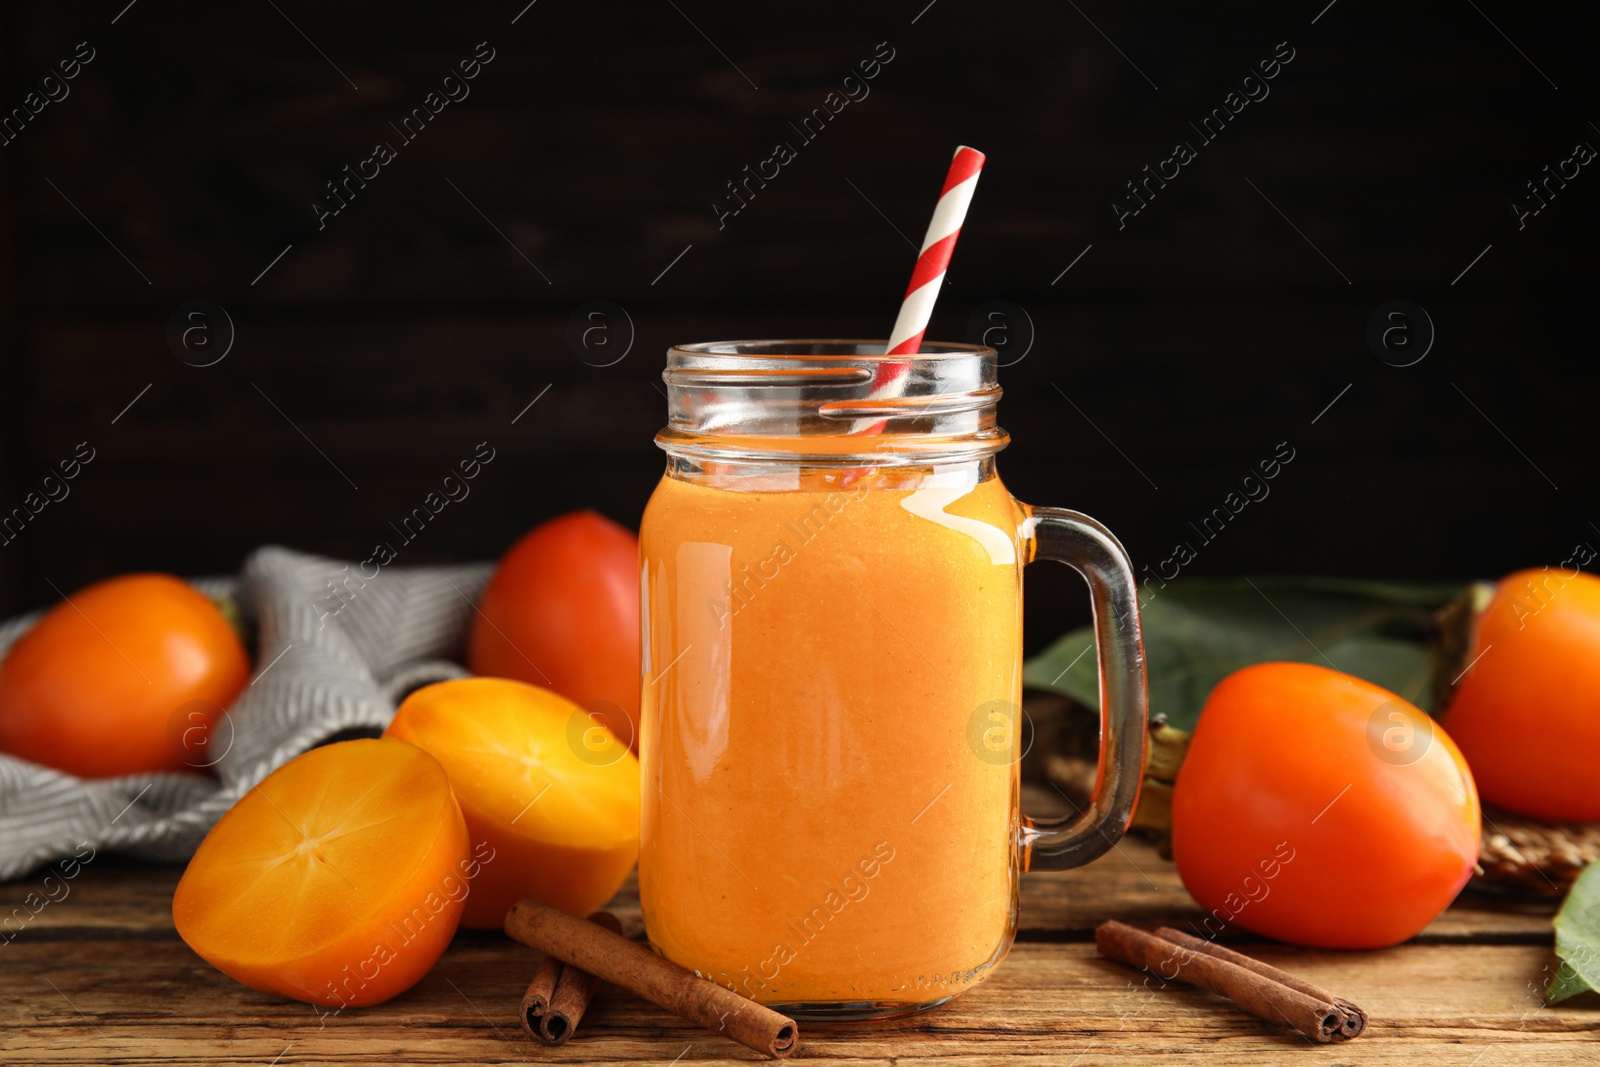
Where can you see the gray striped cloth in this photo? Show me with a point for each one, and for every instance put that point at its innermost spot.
(335, 652)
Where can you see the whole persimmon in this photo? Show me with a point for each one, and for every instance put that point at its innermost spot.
(562, 612)
(550, 790)
(125, 676)
(1526, 710)
(1322, 810)
(338, 880)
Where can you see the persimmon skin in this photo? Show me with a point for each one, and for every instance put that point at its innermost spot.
(1288, 822)
(359, 862)
(562, 612)
(95, 688)
(1527, 712)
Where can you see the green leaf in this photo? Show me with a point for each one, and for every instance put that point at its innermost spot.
(1198, 631)
(1578, 939)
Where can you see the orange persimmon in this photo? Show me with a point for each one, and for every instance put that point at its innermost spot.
(562, 612)
(122, 677)
(554, 792)
(1526, 710)
(339, 880)
(1320, 809)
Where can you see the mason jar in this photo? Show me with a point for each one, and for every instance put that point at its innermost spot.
(831, 718)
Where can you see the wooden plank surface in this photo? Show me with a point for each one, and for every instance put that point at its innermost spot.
(155, 1002)
(101, 976)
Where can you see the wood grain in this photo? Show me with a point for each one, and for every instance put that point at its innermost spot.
(156, 1002)
(102, 974)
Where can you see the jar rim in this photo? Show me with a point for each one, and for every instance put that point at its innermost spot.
(826, 401)
(870, 349)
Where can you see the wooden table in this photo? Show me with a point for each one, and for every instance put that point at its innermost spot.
(101, 976)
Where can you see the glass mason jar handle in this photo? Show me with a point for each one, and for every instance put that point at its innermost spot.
(1089, 548)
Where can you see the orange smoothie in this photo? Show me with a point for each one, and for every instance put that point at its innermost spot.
(829, 815)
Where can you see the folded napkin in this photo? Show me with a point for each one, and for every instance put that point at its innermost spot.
(335, 653)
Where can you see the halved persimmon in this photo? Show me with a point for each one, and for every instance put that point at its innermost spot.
(554, 792)
(338, 880)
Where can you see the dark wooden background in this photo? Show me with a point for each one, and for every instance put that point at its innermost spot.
(591, 149)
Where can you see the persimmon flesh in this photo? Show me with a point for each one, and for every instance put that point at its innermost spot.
(339, 880)
(1322, 810)
(553, 792)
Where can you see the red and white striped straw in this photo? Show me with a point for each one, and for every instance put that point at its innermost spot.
(926, 279)
(943, 229)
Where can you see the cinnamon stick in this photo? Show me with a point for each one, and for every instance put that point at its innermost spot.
(613, 958)
(537, 999)
(572, 993)
(1355, 1021)
(1317, 1017)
